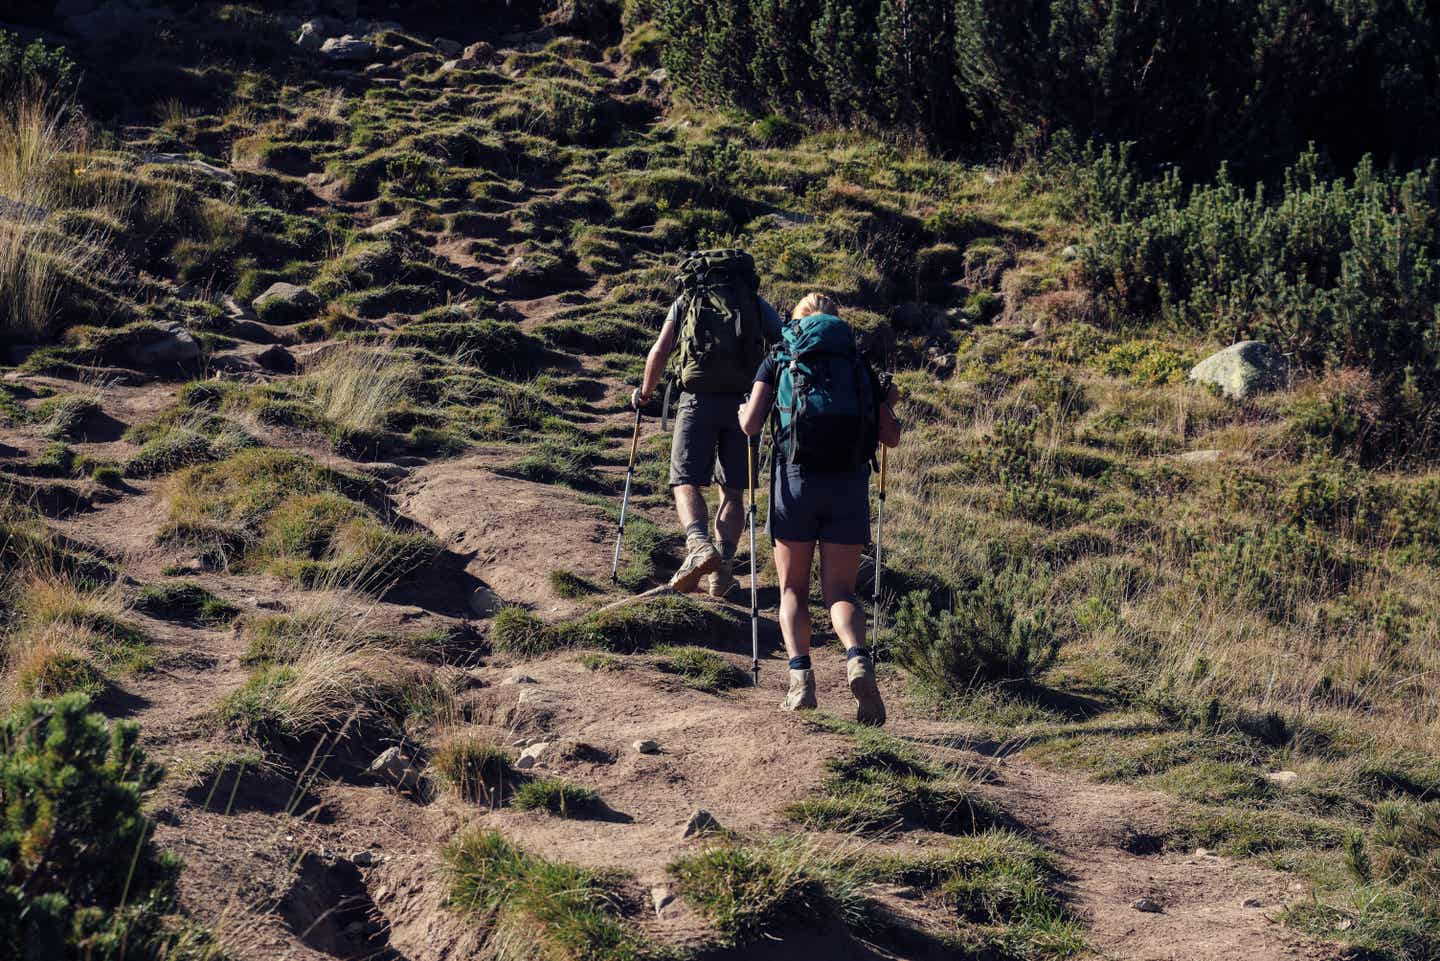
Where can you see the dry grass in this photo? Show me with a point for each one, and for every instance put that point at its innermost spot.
(42, 159)
(357, 388)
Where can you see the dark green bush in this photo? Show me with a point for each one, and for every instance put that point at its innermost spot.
(1193, 82)
(993, 633)
(79, 878)
(34, 66)
(1342, 271)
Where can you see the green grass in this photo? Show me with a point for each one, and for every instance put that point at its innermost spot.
(629, 629)
(701, 669)
(185, 601)
(571, 586)
(538, 908)
(560, 798)
(474, 768)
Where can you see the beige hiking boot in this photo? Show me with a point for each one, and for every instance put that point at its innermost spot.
(702, 558)
(802, 692)
(723, 581)
(870, 708)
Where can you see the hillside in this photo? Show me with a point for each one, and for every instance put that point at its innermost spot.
(319, 334)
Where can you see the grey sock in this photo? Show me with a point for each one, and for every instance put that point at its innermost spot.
(727, 550)
(696, 529)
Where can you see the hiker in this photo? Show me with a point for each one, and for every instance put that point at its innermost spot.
(722, 328)
(832, 410)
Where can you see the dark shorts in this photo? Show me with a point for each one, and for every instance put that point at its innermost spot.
(820, 506)
(708, 446)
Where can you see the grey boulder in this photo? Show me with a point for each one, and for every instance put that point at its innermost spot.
(348, 49)
(284, 303)
(1242, 370)
(166, 348)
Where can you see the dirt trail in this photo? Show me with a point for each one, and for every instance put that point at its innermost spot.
(355, 873)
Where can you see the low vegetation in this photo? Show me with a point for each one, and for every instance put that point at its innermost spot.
(533, 905)
(72, 790)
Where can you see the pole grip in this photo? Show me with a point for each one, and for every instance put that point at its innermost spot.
(635, 439)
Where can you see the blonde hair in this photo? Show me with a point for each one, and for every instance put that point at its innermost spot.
(815, 303)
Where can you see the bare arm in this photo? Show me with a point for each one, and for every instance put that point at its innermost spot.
(655, 362)
(753, 411)
(889, 426)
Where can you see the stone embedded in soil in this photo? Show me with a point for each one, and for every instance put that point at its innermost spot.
(537, 750)
(1146, 905)
(1252, 903)
(701, 822)
(661, 896)
(647, 747)
(519, 679)
(1282, 778)
(283, 303)
(392, 765)
(348, 49)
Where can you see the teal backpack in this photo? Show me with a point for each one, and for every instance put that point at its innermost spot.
(826, 397)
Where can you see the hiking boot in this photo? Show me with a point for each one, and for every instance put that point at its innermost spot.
(802, 692)
(702, 559)
(870, 708)
(723, 581)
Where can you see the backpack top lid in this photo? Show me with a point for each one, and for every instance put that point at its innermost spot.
(722, 265)
(819, 334)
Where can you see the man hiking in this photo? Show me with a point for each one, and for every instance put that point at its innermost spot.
(722, 328)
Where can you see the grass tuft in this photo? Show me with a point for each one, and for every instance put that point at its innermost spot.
(538, 908)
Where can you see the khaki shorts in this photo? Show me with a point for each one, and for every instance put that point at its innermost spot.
(707, 445)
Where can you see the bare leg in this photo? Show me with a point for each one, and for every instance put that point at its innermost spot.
(690, 505)
(730, 518)
(792, 561)
(839, 564)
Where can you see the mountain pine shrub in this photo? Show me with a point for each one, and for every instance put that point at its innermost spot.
(993, 633)
(79, 878)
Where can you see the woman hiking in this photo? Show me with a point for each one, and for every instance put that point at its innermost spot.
(831, 411)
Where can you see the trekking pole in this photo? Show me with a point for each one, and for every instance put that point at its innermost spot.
(750, 444)
(879, 556)
(625, 501)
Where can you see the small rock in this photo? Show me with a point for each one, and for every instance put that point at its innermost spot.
(659, 77)
(1202, 456)
(1282, 778)
(1202, 852)
(519, 679)
(448, 47)
(310, 39)
(701, 822)
(348, 49)
(647, 747)
(283, 303)
(380, 227)
(1252, 903)
(1242, 369)
(1146, 905)
(168, 347)
(392, 765)
(536, 750)
(479, 53)
(661, 896)
(362, 859)
(276, 359)
(524, 762)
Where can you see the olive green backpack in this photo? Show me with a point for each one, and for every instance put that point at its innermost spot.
(720, 337)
